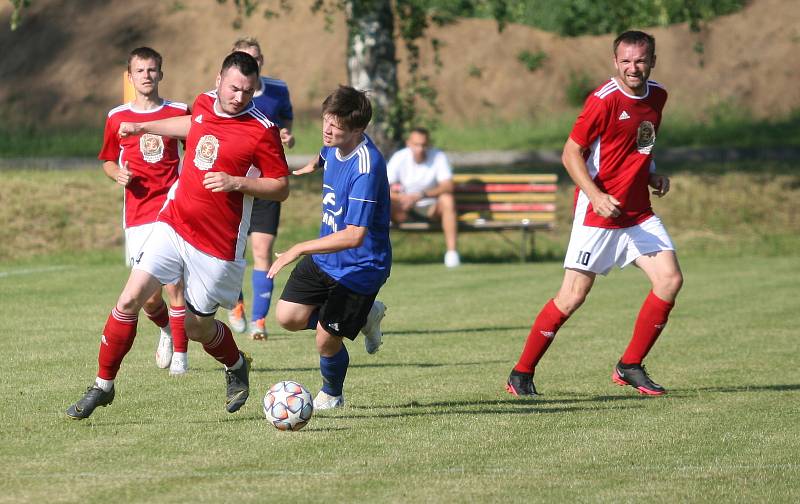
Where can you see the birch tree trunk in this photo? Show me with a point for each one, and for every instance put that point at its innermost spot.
(372, 67)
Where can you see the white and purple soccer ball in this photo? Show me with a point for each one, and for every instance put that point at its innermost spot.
(288, 406)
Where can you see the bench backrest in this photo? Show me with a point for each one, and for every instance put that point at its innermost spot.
(516, 199)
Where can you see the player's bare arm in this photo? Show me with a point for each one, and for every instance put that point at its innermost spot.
(310, 167)
(603, 204)
(117, 173)
(174, 127)
(275, 189)
(347, 238)
(660, 184)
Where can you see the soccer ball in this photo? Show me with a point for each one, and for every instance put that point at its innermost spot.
(288, 406)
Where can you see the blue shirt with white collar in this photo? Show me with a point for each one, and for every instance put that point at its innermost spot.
(355, 191)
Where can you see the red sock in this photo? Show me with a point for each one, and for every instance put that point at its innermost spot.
(160, 317)
(118, 335)
(651, 321)
(543, 331)
(177, 314)
(223, 347)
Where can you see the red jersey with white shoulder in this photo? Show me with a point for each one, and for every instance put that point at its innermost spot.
(244, 145)
(619, 132)
(152, 160)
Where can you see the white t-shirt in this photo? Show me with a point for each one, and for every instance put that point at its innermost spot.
(414, 177)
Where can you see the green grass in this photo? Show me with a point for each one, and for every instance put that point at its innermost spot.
(427, 417)
(723, 126)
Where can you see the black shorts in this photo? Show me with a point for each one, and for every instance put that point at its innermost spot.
(342, 312)
(265, 217)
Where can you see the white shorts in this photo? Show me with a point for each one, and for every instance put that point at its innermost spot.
(135, 237)
(209, 282)
(599, 249)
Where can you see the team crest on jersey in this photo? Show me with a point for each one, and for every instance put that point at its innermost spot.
(645, 137)
(206, 152)
(152, 147)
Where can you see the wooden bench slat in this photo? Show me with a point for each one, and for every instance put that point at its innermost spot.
(543, 178)
(493, 188)
(507, 197)
(508, 207)
(508, 216)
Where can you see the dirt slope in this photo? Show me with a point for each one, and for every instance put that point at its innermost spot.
(64, 64)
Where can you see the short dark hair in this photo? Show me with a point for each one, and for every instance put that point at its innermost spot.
(350, 106)
(241, 60)
(634, 37)
(421, 131)
(144, 53)
(245, 42)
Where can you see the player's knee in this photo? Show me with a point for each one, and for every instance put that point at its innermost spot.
(670, 283)
(327, 344)
(447, 202)
(288, 319)
(198, 329)
(569, 301)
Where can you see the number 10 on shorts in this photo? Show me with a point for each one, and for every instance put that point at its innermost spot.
(583, 257)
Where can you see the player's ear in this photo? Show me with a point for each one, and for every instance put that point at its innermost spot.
(653, 61)
(219, 79)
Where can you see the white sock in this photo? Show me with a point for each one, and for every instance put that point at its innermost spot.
(106, 385)
(237, 365)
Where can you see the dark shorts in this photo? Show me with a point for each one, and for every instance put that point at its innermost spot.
(342, 312)
(265, 217)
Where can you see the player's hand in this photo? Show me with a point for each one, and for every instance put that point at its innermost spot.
(129, 129)
(282, 260)
(220, 182)
(605, 205)
(123, 175)
(660, 183)
(309, 168)
(287, 138)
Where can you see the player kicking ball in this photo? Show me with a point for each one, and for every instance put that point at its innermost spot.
(233, 153)
(608, 156)
(333, 288)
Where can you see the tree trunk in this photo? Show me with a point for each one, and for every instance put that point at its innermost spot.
(372, 67)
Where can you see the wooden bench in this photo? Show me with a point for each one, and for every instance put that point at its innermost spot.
(499, 202)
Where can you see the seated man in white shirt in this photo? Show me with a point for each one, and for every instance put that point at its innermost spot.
(421, 183)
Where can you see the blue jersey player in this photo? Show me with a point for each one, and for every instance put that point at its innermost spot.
(333, 288)
(272, 98)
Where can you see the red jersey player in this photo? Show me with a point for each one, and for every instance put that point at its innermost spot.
(608, 156)
(233, 153)
(147, 166)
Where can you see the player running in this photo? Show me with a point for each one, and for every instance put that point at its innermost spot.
(147, 166)
(333, 289)
(233, 153)
(272, 99)
(609, 157)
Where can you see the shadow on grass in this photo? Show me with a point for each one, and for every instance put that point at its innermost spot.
(461, 330)
(423, 365)
(737, 389)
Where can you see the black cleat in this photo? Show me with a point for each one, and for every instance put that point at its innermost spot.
(94, 397)
(636, 376)
(238, 385)
(521, 384)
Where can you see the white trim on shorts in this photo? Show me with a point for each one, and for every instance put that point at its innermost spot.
(209, 282)
(599, 249)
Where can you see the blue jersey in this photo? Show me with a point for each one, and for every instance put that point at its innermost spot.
(355, 191)
(273, 101)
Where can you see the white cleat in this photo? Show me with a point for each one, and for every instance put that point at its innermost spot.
(373, 337)
(324, 401)
(452, 259)
(164, 349)
(179, 365)
(236, 318)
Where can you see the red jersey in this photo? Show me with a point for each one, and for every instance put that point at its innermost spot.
(152, 160)
(619, 132)
(244, 145)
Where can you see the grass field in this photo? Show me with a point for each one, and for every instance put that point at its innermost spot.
(427, 418)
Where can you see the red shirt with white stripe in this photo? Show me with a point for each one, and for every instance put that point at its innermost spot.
(244, 145)
(619, 132)
(152, 160)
